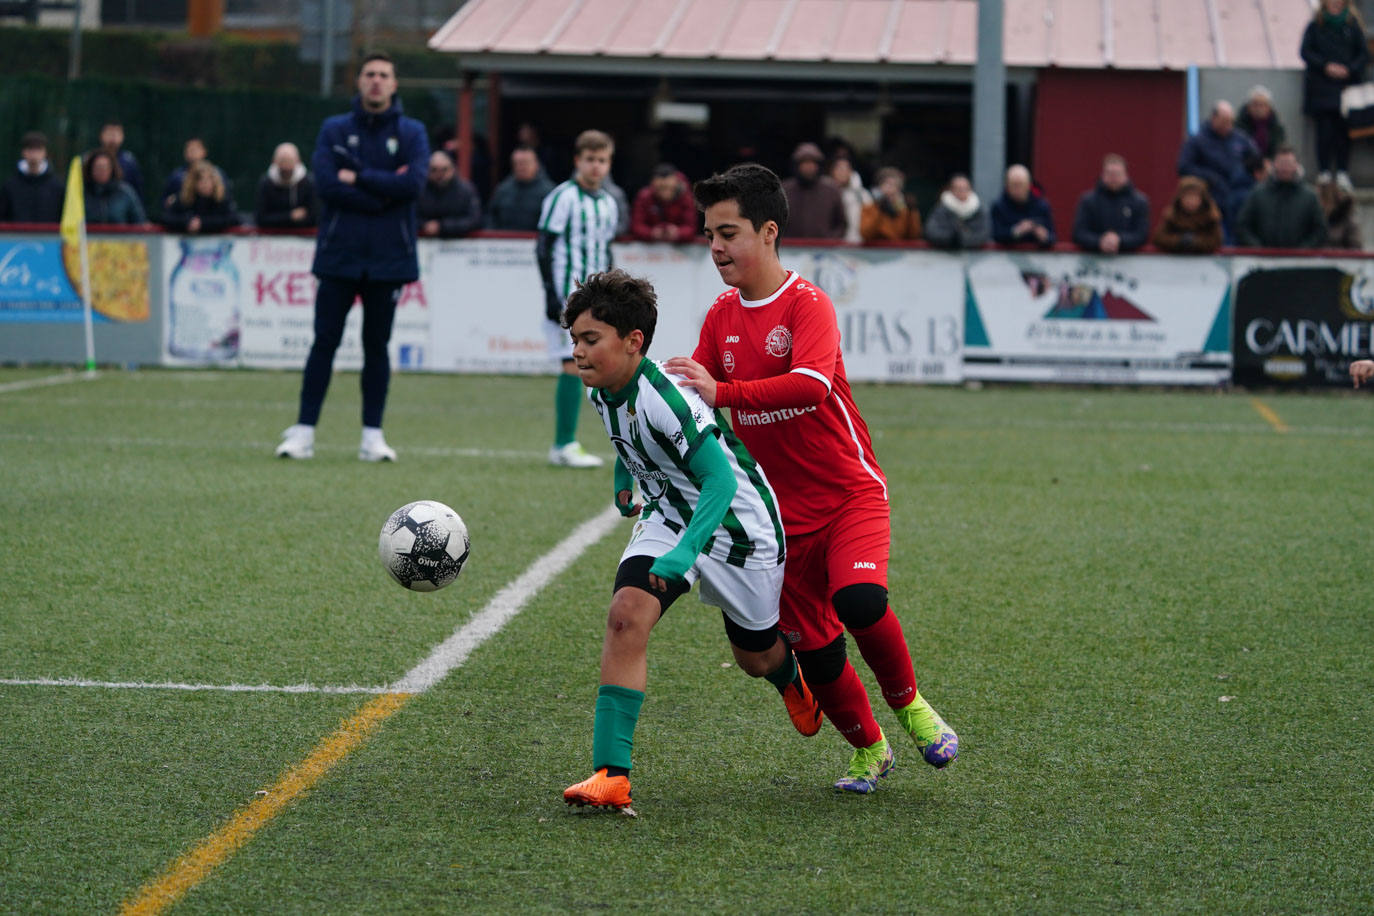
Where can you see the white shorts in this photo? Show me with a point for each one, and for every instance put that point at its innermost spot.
(749, 597)
(559, 340)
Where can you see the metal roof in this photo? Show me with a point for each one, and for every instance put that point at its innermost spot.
(829, 34)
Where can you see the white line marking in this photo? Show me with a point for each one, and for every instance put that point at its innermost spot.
(264, 447)
(446, 656)
(168, 685)
(62, 379)
(508, 602)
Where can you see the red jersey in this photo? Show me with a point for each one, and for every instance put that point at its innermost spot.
(818, 455)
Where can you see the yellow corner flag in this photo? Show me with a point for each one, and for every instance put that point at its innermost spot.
(74, 205)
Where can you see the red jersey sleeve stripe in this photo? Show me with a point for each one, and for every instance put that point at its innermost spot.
(802, 370)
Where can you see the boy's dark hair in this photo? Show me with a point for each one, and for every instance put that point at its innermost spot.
(665, 170)
(624, 302)
(756, 189)
(377, 55)
(34, 139)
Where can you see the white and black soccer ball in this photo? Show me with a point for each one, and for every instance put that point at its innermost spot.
(424, 545)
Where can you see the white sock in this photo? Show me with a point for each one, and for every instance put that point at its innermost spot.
(372, 435)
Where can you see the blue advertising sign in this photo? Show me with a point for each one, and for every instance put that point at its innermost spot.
(34, 284)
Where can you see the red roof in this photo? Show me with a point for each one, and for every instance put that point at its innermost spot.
(1128, 34)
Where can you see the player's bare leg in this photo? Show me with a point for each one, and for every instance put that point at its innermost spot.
(624, 675)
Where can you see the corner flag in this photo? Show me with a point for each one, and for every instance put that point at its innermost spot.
(74, 205)
(73, 229)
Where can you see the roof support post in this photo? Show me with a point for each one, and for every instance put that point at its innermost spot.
(989, 104)
(464, 128)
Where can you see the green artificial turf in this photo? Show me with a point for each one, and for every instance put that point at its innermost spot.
(1144, 612)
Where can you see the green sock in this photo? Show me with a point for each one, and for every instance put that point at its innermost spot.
(613, 734)
(567, 403)
(785, 674)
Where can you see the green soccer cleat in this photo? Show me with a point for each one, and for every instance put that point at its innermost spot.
(937, 742)
(866, 767)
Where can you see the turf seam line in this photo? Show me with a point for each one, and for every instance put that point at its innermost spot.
(194, 866)
(171, 685)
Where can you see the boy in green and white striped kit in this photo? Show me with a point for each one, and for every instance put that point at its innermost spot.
(576, 226)
(708, 513)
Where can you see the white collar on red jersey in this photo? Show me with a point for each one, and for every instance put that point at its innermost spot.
(755, 303)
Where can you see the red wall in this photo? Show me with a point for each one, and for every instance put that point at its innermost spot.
(1081, 115)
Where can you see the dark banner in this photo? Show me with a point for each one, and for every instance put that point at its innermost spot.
(1301, 325)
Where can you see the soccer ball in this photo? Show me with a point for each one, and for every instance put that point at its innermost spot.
(424, 545)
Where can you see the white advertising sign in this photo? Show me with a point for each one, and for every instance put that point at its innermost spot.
(250, 301)
(1143, 319)
(479, 305)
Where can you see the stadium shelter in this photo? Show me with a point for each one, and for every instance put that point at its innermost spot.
(714, 81)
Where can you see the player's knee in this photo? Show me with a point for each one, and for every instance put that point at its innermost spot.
(751, 648)
(823, 665)
(859, 606)
(632, 615)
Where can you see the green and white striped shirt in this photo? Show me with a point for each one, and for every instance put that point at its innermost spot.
(655, 427)
(584, 222)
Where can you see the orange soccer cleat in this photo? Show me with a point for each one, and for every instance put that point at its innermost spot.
(600, 791)
(802, 707)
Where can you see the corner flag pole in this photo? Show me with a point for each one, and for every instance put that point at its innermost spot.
(74, 234)
(86, 302)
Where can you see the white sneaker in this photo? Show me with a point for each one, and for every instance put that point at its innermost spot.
(297, 442)
(573, 455)
(374, 447)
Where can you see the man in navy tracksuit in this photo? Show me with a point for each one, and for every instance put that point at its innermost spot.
(369, 166)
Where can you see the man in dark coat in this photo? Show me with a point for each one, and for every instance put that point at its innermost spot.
(1335, 52)
(369, 166)
(1282, 212)
(815, 206)
(286, 193)
(448, 206)
(1217, 154)
(34, 193)
(1019, 215)
(516, 202)
(1114, 216)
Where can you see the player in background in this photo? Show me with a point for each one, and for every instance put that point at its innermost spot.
(576, 226)
(1362, 370)
(770, 349)
(708, 512)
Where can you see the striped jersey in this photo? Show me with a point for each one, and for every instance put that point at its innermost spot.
(656, 426)
(821, 456)
(584, 222)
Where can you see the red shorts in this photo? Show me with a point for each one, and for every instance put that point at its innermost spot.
(852, 549)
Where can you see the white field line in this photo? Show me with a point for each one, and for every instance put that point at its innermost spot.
(264, 447)
(446, 656)
(169, 685)
(46, 380)
(504, 605)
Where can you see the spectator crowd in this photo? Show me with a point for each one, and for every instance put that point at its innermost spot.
(1239, 184)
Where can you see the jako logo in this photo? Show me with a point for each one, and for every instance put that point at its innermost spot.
(732, 338)
(864, 564)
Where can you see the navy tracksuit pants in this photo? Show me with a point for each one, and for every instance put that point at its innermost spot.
(333, 300)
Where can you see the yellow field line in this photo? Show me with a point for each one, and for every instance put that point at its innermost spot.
(1264, 410)
(192, 868)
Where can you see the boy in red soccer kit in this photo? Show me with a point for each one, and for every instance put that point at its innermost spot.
(770, 349)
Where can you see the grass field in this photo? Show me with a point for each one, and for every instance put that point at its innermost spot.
(1147, 614)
